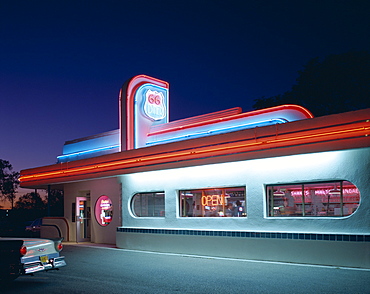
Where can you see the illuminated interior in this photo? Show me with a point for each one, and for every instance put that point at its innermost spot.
(336, 198)
(217, 202)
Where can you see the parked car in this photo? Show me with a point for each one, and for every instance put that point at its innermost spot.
(33, 228)
(26, 256)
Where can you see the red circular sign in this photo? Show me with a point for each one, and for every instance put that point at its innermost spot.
(103, 210)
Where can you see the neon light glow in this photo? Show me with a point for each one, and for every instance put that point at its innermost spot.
(218, 123)
(216, 131)
(283, 112)
(88, 151)
(127, 107)
(212, 200)
(324, 192)
(216, 116)
(146, 106)
(154, 106)
(354, 130)
(151, 107)
(103, 210)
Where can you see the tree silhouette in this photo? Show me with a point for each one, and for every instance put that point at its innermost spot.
(337, 84)
(8, 181)
(55, 201)
(31, 201)
(30, 206)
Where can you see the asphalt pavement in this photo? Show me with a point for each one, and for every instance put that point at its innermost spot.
(94, 268)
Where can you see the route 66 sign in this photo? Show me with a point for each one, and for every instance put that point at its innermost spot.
(154, 106)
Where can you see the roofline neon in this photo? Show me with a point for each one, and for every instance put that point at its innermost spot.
(296, 109)
(88, 151)
(358, 129)
(217, 131)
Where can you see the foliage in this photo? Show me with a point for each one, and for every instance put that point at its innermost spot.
(8, 181)
(31, 206)
(56, 202)
(34, 206)
(337, 84)
(32, 201)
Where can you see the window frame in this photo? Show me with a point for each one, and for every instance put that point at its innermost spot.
(153, 208)
(335, 193)
(217, 200)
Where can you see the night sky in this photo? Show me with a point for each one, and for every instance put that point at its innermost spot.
(62, 63)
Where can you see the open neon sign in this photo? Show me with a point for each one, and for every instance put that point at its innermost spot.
(212, 200)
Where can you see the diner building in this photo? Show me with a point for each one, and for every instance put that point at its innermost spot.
(274, 184)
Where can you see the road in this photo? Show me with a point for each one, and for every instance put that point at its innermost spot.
(110, 271)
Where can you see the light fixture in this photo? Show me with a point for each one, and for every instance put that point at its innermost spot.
(279, 193)
(334, 191)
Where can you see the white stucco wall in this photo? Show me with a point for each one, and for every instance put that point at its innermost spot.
(350, 165)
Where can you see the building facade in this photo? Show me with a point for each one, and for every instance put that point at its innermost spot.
(273, 184)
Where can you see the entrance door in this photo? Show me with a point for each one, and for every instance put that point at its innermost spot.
(83, 221)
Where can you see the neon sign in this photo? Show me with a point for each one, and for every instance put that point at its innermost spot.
(151, 107)
(154, 106)
(324, 192)
(134, 122)
(212, 200)
(103, 210)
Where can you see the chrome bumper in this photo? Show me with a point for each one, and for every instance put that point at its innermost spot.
(52, 264)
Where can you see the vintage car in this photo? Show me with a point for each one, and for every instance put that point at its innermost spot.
(26, 256)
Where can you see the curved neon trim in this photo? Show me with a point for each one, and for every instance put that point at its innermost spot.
(131, 88)
(218, 115)
(342, 132)
(277, 112)
(219, 131)
(88, 151)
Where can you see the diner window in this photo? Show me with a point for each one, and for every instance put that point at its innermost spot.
(148, 204)
(336, 198)
(214, 202)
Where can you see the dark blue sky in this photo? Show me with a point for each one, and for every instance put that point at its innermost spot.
(62, 62)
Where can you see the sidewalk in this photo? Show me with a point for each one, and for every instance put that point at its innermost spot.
(90, 244)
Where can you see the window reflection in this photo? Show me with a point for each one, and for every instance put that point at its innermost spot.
(148, 204)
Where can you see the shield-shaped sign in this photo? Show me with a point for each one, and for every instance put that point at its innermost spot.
(154, 106)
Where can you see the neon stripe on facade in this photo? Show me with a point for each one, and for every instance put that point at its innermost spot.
(358, 129)
(218, 131)
(88, 151)
(190, 121)
(294, 111)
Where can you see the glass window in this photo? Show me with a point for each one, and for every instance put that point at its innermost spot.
(337, 198)
(214, 202)
(148, 204)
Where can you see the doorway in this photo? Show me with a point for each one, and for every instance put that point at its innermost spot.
(83, 219)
